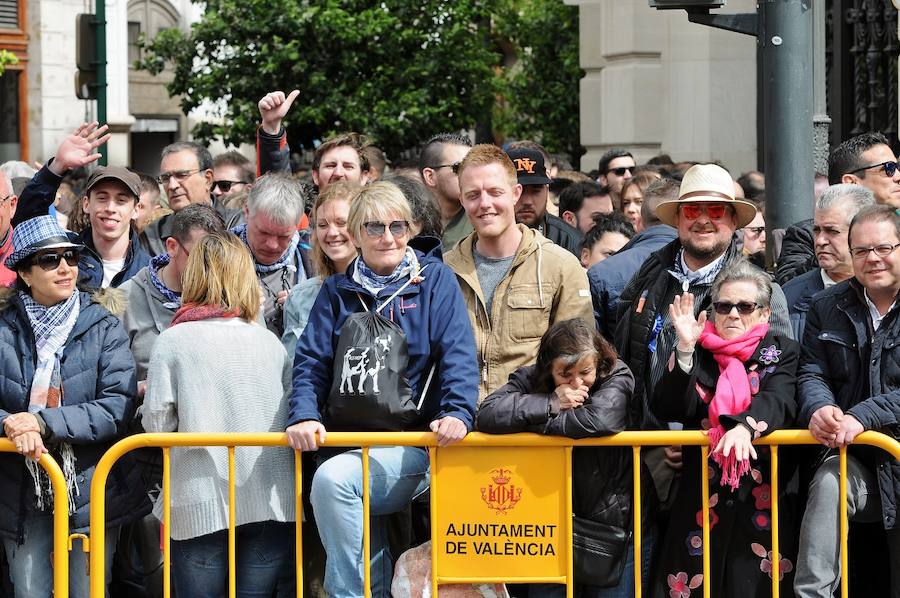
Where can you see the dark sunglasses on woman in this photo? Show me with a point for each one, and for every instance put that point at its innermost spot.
(50, 261)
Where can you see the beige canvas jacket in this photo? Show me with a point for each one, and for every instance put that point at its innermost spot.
(545, 284)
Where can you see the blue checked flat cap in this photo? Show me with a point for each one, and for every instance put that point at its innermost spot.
(33, 235)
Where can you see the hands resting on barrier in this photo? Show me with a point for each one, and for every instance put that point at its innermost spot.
(25, 431)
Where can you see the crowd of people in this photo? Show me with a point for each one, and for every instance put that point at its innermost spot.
(477, 288)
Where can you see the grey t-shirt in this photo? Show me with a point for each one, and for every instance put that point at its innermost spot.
(490, 271)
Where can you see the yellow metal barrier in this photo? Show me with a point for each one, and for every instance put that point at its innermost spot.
(636, 440)
(60, 519)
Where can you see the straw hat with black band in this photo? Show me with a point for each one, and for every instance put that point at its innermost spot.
(707, 183)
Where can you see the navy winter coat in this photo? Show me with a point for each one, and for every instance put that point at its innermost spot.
(98, 377)
(434, 319)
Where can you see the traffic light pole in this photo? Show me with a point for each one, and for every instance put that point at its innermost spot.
(784, 32)
(100, 22)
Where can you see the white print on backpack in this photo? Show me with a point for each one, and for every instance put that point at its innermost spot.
(357, 362)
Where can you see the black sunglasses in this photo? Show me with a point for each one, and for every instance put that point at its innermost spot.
(50, 261)
(454, 167)
(890, 167)
(621, 171)
(745, 308)
(398, 228)
(225, 186)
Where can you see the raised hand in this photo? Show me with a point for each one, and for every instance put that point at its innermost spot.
(79, 148)
(273, 107)
(687, 327)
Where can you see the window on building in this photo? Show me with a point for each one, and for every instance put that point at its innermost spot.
(10, 146)
(134, 34)
(9, 14)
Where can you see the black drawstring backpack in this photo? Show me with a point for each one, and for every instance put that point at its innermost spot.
(369, 388)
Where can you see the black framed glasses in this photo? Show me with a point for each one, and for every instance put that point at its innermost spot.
(889, 167)
(178, 175)
(454, 167)
(861, 253)
(376, 229)
(745, 308)
(50, 261)
(225, 186)
(621, 171)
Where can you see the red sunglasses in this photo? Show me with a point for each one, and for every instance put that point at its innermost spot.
(692, 211)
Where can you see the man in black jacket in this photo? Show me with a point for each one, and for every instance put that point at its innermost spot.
(531, 209)
(706, 214)
(850, 382)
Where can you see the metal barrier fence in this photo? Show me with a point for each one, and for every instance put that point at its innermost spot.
(636, 440)
(61, 545)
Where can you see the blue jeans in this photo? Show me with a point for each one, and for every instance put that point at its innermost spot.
(264, 553)
(397, 474)
(30, 565)
(625, 588)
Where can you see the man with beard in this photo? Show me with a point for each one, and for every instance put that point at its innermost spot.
(706, 214)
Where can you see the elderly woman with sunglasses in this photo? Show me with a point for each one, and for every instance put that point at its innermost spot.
(67, 387)
(416, 297)
(734, 378)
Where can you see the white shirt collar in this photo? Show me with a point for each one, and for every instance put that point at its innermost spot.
(876, 316)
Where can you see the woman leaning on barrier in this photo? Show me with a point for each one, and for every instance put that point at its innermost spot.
(67, 387)
(732, 377)
(217, 370)
(388, 347)
(580, 389)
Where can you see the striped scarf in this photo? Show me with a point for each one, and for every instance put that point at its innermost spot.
(51, 326)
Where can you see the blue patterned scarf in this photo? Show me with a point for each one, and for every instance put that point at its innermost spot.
(173, 299)
(374, 283)
(282, 262)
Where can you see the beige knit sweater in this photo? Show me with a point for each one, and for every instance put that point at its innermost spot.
(221, 375)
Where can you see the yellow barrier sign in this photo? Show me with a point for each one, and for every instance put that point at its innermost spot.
(501, 512)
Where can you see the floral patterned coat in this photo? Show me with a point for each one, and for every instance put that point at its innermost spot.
(740, 520)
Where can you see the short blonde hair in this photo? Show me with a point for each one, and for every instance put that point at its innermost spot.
(220, 273)
(484, 154)
(337, 191)
(377, 201)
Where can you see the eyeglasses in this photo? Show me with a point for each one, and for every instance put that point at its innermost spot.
(861, 253)
(745, 308)
(50, 261)
(454, 167)
(754, 229)
(889, 167)
(692, 211)
(178, 175)
(621, 171)
(376, 229)
(225, 186)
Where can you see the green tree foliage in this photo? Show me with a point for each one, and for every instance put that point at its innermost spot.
(540, 91)
(398, 71)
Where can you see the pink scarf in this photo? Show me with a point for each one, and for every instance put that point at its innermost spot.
(732, 390)
(191, 312)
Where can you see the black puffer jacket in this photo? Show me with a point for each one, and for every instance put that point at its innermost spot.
(843, 363)
(601, 477)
